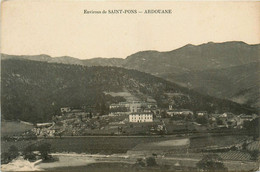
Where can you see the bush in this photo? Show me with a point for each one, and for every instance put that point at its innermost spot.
(5, 158)
(244, 145)
(28, 153)
(150, 161)
(219, 122)
(211, 163)
(254, 155)
(252, 127)
(30, 156)
(140, 162)
(202, 120)
(12, 153)
(44, 150)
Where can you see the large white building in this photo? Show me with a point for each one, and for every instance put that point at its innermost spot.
(141, 117)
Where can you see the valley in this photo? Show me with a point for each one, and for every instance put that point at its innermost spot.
(157, 111)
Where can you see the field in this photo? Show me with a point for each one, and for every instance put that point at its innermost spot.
(168, 150)
(110, 144)
(231, 155)
(105, 145)
(235, 155)
(213, 141)
(97, 167)
(120, 167)
(255, 145)
(13, 128)
(127, 95)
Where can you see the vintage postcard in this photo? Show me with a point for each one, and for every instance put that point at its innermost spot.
(130, 85)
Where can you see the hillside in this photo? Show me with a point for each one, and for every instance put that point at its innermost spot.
(194, 58)
(35, 91)
(45, 58)
(239, 83)
(209, 63)
(103, 62)
(187, 58)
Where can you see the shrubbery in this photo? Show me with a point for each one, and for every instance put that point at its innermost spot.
(12, 153)
(202, 120)
(29, 154)
(43, 149)
(149, 162)
(252, 128)
(211, 163)
(254, 155)
(140, 162)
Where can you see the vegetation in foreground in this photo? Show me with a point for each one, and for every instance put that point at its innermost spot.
(211, 163)
(31, 153)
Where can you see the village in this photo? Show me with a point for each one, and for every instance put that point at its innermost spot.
(181, 136)
(138, 118)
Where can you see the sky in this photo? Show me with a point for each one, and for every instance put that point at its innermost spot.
(60, 28)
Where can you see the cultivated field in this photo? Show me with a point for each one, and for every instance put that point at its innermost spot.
(168, 150)
(105, 145)
(235, 155)
(215, 141)
(255, 145)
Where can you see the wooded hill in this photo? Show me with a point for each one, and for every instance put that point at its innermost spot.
(35, 91)
(228, 70)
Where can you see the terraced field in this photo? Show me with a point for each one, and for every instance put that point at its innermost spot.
(235, 156)
(231, 155)
(255, 145)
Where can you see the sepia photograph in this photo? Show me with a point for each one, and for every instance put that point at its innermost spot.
(130, 86)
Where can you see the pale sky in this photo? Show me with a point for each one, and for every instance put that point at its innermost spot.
(60, 28)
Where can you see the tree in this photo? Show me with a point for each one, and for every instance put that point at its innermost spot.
(44, 150)
(28, 153)
(211, 163)
(254, 155)
(5, 158)
(90, 115)
(202, 120)
(140, 162)
(164, 114)
(219, 122)
(244, 145)
(60, 134)
(150, 161)
(252, 127)
(13, 151)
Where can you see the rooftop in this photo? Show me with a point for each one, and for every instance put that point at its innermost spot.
(138, 113)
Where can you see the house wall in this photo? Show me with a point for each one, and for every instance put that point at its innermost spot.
(141, 118)
(172, 113)
(135, 107)
(66, 109)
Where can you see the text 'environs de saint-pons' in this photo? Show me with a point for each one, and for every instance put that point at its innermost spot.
(130, 11)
